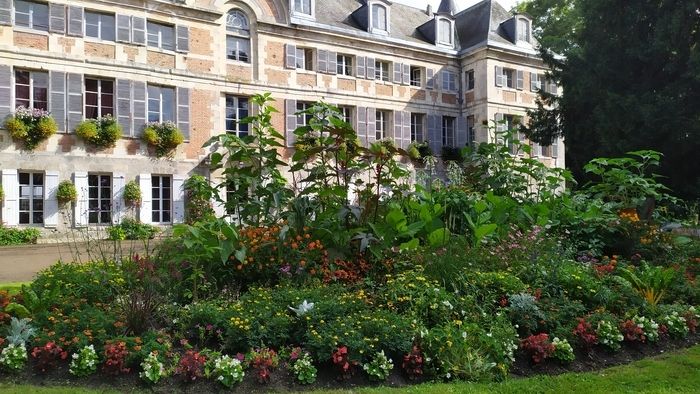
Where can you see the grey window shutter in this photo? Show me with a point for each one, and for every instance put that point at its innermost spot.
(322, 61)
(462, 132)
(406, 130)
(183, 38)
(533, 82)
(371, 62)
(75, 100)
(553, 88)
(434, 135)
(183, 111)
(123, 28)
(361, 67)
(138, 30)
(555, 147)
(332, 62)
(138, 98)
(499, 76)
(57, 18)
(57, 103)
(430, 78)
(519, 80)
(406, 74)
(398, 128)
(500, 128)
(6, 12)
(124, 106)
(290, 56)
(75, 21)
(371, 125)
(398, 72)
(362, 125)
(6, 107)
(443, 79)
(291, 122)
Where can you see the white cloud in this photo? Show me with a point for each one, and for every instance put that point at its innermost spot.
(461, 4)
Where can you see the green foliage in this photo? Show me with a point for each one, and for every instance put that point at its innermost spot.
(66, 193)
(102, 132)
(132, 194)
(163, 137)
(31, 126)
(84, 362)
(650, 282)
(379, 367)
(304, 370)
(132, 229)
(13, 357)
(18, 236)
(198, 196)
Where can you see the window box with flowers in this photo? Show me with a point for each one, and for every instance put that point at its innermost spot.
(163, 137)
(102, 132)
(31, 126)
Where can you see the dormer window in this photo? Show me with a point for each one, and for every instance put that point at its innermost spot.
(523, 30)
(302, 8)
(445, 32)
(238, 36)
(379, 18)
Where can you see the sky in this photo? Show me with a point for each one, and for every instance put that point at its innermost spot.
(461, 4)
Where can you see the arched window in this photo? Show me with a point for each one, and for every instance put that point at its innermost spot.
(238, 36)
(445, 32)
(379, 14)
(523, 30)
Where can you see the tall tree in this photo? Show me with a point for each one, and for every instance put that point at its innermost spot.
(630, 73)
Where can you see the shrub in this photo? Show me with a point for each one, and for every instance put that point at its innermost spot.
(84, 362)
(132, 194)
(21, 331)
(18, 236)
(153, 369)
(379, 367)
(198, 196)
(304, 370)
(102, 132)
(412, 364)
(585, 333)
(13, 357)
(191, 366)
(115, 358)
(609, 335)
(164, 137)
(132, 229)
(649, 329)
(66, 193)
(563, 350)
(344, 366)
(263, 362)
(46, 357)
(228, 371)
(524, 312)
(31, 126)
(538, 347)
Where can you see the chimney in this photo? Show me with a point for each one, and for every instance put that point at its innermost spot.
(429, 10)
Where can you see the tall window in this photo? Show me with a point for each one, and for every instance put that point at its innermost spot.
(471, 131)
(161, 36)
(161, 186)
(417, 127)
(470, 79)
(416, 76)
(382, 124)
(302, 6)
(381, 71)
(99, 199)
(99, 25)
(32, 15)
(445, 32)
(509, 77)
(305, 59)
(379, 21)
(161, 104)
(523, 30)
(449, 81)
(303, 119)
(346, 113)
(448, 131)
(99, 98)
(31, 89)
(238, 36)
(236, 110)
(31, 198)
(511, 124)
(344, 65)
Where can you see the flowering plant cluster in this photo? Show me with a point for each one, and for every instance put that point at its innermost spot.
(115, 358)
(609, 335)
(563, 350)
(164, 137)
(102, 132)
(304, 369)
(263, 362)
(676, 325)
(32, 126)
(191, 366)
(153, 369)
(650, 329)
(342, 363)
(585, 333)
(84, 362)
(379, 368)
(539, 347)
(413, 363)
(46, 357)
(13, 357)
(228, 371)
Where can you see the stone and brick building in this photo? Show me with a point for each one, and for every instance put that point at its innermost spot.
(396, 72)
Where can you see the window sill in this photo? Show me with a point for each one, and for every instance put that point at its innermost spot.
(305, 71)
(343, 76)
(23, 29)
(96, 40)
(238, 63)
(162, 51)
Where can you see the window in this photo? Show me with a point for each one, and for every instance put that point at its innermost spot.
(448, 131)
(236, 111)
(161, 36)
(161, 186)
(512, 122)
(471, 131)
(381, 71)
(417, 127)
(238, 36)
(99, 25)
(416, 76)
(32, 15)
(346, 114)
(523, 30)
(302, 6)
(536, 82)
(344, 65)
(382, 124)
(546, 150)
(305, 59)
(469, 77)
(303, 119)
(509, 77)
(161, 104)
(31, 89)
(31, 198)
(445, 32)
(99, 98)
(449, 81)
(99, 199)
(379, 21)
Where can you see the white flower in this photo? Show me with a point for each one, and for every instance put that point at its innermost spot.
(303, 308)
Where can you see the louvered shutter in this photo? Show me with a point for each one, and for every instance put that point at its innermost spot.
(406, 77)
(332, 63)
(57, 18)
(361, 67)
(500, 128)
(462, 132)
(183, 38)
(138, 30)
(406, 130)
(291, 122)
(434, 135)
(536, 149)
(10, 208)
(371, 63)
(178, 199)
(6, 105)
(371, 125)
(555, 147)
(290, 51)
(50, 201)
(124, 107)
(183, 111)
(118, 205)
(75, 101)
(499, 76)
(322, 61)
(553, 89)
(123, 28)
(57, 104)
(443, 83)
(398, 128)
(138, 98)
(362, 125)
(146, 208)
(80, 215)
(429, 78)
(533, 82)
(398, 72)
(5, 12)
(519, 80)
(75, 21)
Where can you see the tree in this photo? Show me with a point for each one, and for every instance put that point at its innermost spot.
(630, 73)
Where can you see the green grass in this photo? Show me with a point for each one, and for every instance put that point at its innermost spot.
(13, 287)
(677, 372)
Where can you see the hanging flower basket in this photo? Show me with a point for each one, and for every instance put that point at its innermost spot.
(164, 137)
(31, 126)
(102, 132)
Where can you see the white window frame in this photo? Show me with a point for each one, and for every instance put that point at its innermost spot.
(448, 131)
(160, 103)
(417, 127)
(440, 32)
(470, 79)
(347, 113)
(159, 35)
(382, 124)
(381, 70)
(238, 116)
(30, 14)
(238, 34)
(374, 25)
(297, 8)
(32, 197)
(471, 130)
(32, 86)
(303, 119)
(100, 15)
(419, 81)
(100, 198)
(158, 215)
(345, 65)
(99, 96)
(523, 32)
(509, 76)
(449, 81)
(304, 59)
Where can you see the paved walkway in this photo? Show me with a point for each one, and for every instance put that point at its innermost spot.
(21, 263)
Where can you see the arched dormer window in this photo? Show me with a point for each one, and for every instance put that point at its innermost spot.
(523, 30)
(444, 33)
(237, 36)
(380, 18)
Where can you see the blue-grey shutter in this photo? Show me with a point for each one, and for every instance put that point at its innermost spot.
(533, 82)
(291, 122)
(183, 111)
(371, 125)
(57, 103)
(123, 28)
(361, 67)
(371, 63)
(75, 21)
(75, 100)
(500, 128)
(138, 98)
(290, 51)
(406, 74)
(138, 30)
(499, 76)
(6, 107)
(555, 147)
(553, 89)
(124, 106)
(406, 141)
(462, 132)
(322, 61)
(434, 135)
(430, 78)
(398, 128)
(57, 18)
(183, 38)
(362, 125)
(6, 12)
(332, 62)
(519, 80)
(398, 72)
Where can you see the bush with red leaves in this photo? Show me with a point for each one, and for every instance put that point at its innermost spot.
(539, 347)
(115, 359)
(191, 366)
(342, 363)
(632, 332)
(585, 333)
(263, 362)
(46, 357)
(413, 363)
(691, 321)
